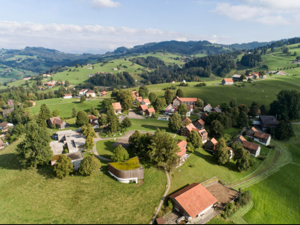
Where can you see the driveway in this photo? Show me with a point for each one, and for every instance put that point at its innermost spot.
(134, 115)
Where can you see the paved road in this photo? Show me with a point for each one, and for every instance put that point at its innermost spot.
(134, 115)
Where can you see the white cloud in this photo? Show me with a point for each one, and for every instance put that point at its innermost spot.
(94, 39)
(105, 3)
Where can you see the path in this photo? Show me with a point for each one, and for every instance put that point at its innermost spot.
(162, 200)
(134, 115)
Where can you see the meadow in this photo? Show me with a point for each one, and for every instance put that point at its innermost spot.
(36, 196)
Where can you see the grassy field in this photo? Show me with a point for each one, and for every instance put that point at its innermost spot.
(105, 149)
(35, 196)
(166, 57)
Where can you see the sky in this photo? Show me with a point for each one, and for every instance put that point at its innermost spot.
(98, 26)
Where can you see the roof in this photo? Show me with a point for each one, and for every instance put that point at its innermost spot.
(250, 145)
(117, 106)
(160, 220)
(186, 118)
(191, 127)
(92, 117)
(204, 115)
(68, 95)
(151, 110)
(269, 120)
(130, 164)
(201, 122)
(207, 105)
(194, 199)
(147, 101)
(75, 156)
(90, 92)
(143, 107)
(104, 92)
(3, 124)
(259, 135)
(140, 99)
(214, 141)
(31, 101)
(187, 99)
(236, 76)
(181, 145)
(56, 120)
(253, 129)
(202, 132)
(242, 138)
(228, 80)
(83, 90)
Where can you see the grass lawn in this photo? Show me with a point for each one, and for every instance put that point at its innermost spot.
(35, 196)
(105, 149)
(148, 125)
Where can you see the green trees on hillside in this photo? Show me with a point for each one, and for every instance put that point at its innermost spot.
(175, 122)
(120, 154)
(82, 119)
(43, 116)
(89, 165)
(221, 152)
(169, 96)
(64, 166)
(152, 97)
(143, 92)
(241, 157)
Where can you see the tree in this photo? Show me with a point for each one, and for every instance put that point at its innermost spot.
(88, 131)
(96, 90)
(35, 149)
(284, 131)
(82, 119)
(169, 96)
(241, 157)
(67, 83)
(126, 123)
(190, 147)
(55, 113)
(180, 93)
(254, 109)
(159, 103)
(175, 122)
(233, 103)
(224, 107)
(74, 112)
(199, 103)
(243, 119)
(263, 110)
(126, 99)
(114, 93)
(152, 97)
(143, 91)
(107, 102)
(120, 154)
(243, 77)
(43, 116)
(89, 165)
(64, 166)
(223, 118)
(221, 152)
(216, 128)
(114, 124)
(195, 139)
(82, 99)
(261, 74)
(89, 143)
(182, 109)
(103, 120)
(94, 112)
(243, 108)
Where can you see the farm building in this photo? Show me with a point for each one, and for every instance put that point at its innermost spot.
(188, 129)
(57, 122)
(217, 109)
(68, 96)
(127, 171)
(5, 125)
(186, 121)
(146, 102)
(150, 111)
(138, 100)
(211, 144)
(76, 158)
(268, 121)
(170, 109)
(33, 103)
(143, 109)
(90, 94)
(193, 201)
(200, 124)
(187, 101)
(117, 107)
(259, 137)
(227, 81)
(253, 148)
(236, 77)
(207, 108)
(83, 91)
(103, 93)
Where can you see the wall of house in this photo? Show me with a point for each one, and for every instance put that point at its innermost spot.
(127, 174)
(185, 132)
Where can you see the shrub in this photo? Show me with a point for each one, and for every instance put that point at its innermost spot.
(262, 158)
(170, 204)
(196, 111)
(252, 162)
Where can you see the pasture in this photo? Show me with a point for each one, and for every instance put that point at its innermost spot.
(36, 196)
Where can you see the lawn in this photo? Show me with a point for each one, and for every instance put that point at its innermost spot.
(35, 196)
(148, 125)
(105, 148)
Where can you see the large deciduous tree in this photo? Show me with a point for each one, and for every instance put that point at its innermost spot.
(180, 93)
(169, 96)
(216, 128)
(241, 157)
(89, 165)
(182, 109)
(120, 154)
(143, 91)
(64, 166)
(195, 139)
(175, 122)
(43, 116)
(159, 103)
(82, 119)
(152, 97)
(221, 152)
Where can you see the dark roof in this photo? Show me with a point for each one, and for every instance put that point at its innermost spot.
(6, 111)
(75, 156)
(269, 120)
(3, 124)
(256, 134)
(160, 220)
(56, 121)
(250, 145)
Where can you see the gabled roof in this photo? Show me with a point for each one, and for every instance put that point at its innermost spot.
(3, 124)
(194, 199)
(140, 99)
(186, 99)
(147, 101)
(92, 117)
(208, 105)
(214, 141)
(56, 121)
(83, 90)
(261, 135)
(117, 106)
(151, 110)
(201, 122)
(181, 145)
(191, 127)
(104, 92)
(186, 118)
(202, 132)
(143, 107)
(253, 129)
(90, 92)
(250, 145)
(228, 80)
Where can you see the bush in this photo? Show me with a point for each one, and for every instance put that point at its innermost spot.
(271, 146)
(262, 158)
(196, 110)
(252, 162)
(170, 204)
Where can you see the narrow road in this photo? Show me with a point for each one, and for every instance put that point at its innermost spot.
(162, 200)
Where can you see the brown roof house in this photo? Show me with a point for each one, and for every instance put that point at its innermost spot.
(182, 153)
(188, 129)
(253, 148)
(186, 121)
(138, 99)
(187, 101)
(204, 135)
(90, 94)
(142, 109)
(193, 201)
(57, 122)
(117, 107)
(259, 137)
(200, 124)
(146, 102)
(211, 144)
(127, 171)
(268, 121)
(227, 81)
(150, 111)
(5, 125)
(103, 93)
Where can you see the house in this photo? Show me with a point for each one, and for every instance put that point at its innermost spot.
(268, 121)
(76, 158)
(27, 78)
(11, 103)
(128, 171)
(5, 112)
(33, 103)
(94, 121)
(115, 68)
(146, 102)
(5, 125)
(135, 94)
(46, 75)
(259, 137)
(193, 201)
(190, 109)
(187, 101)
(150, 111)
(138, 99)
(203, 116)
(173, 82)
(103, 93)
(57, 122)
(170, 109)
(182, 152)
(253, 148)
(211, 144)
(207, 108)
(188, 129)
(228, 81)
(199, 124)
(142, 109)
(236, 77)
(68, 96)
(217, 109)
(204, 135)
(185, 121)
(83, 91)
(90, 94)
(117, 107)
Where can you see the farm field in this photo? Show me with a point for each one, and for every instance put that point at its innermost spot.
(166, 57)
(36, 196)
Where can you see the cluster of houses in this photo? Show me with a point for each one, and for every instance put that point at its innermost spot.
(189, 102)
(237, 77)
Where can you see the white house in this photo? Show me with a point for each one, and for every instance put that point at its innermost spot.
(146, 102)
(90, 94)
(227, 81)
(83, 92)
(207, 108)
(68, 96)
(117, 107)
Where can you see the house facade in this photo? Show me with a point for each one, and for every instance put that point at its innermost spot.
(94, 121)
(146, 102)
(57, 122)
(68, 96)
(207, 108)
(143, 109)
(204, 135)
(90, 94)
(259, 137)
(83, 92)
(182, 152)
(117, 107)
(187, 101)
(253, 148)
(211, 144)
(150, 112)
(200, 124)
(76, 158)
(170, 109)
(227, 81)
(188, 129)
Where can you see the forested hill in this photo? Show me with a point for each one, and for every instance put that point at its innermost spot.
(39, 59)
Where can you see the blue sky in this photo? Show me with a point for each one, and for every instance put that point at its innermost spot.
(97, 26)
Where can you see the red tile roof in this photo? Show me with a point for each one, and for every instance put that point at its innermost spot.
(187, 99)
(228, 80)
(147, 101)
(250, 145)
(191, 127)
(214, 141)
(194, 199)
(151, 110)
(186, 118)
(202, 132)
(117, 106)
(140, 99)
(201, 122)
(181, 145)
(254, 129)
(92, 117)
(143, 108)
(103, 92)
